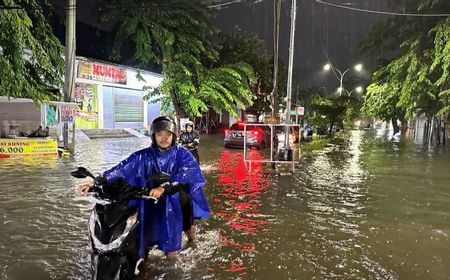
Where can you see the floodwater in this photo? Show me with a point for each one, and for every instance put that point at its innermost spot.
(366, 208)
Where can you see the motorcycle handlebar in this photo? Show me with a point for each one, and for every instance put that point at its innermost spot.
(136, 193)
(147, 197)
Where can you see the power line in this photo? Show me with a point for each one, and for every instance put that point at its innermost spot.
(381, 12)
(224, 4)
(234, 2)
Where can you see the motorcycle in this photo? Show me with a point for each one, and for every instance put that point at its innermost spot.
(113, 226)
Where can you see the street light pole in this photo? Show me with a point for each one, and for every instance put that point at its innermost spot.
(286, 152)
(274, 94)
(357, 67)
(290, 66)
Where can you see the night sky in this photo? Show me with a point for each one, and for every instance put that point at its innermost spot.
(320, 29)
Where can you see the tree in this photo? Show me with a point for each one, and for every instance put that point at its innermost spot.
(248, 48)
(415, 77)
(177, 35)
(31, 56)
(326, 111)
(381, 101)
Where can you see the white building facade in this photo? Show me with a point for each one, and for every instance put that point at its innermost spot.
(112, 96)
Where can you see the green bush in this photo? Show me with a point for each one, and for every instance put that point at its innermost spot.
(317, 143)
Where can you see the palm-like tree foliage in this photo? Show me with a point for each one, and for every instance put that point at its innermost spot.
(177, 35)
(30, 55)
(242, 47)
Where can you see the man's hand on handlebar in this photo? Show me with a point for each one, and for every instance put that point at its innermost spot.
(84, 188)
(156, 192)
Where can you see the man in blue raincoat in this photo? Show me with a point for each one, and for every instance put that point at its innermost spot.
(180, 201)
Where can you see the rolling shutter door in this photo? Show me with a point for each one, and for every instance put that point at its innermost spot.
(128, 108)
(108, 107)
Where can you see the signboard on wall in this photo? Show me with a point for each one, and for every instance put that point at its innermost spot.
(67, 114)
(86, 96)
(18, 148)
(101, 72)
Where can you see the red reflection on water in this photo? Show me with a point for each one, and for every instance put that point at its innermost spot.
(239, 197)
(239, 202)
(243, 246)
(235, 267)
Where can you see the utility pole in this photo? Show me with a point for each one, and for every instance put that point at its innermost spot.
(286, 152)
(291, 63)
(296, 104)
(69, 79)
(276, 40)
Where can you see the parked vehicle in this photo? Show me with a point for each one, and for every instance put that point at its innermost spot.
(258, 136)
(113, 226)
(307, 133)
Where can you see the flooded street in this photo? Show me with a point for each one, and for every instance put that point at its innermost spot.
(364, 209)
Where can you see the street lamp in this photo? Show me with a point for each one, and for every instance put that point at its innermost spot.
(340, 77)
(358, 89)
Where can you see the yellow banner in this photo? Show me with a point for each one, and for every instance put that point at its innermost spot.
(38, 147)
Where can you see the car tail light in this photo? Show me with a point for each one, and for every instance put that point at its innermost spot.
(227, 132)
(255, 132)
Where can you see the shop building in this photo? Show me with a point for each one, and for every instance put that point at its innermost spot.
(108, 96)
(111, 96)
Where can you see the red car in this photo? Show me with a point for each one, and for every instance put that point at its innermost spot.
(258, 136)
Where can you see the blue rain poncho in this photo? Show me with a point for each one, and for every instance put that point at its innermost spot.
(161, 223)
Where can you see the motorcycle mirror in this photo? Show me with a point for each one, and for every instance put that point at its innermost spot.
(81, 172)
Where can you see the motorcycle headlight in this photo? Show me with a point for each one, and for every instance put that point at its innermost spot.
(131, 222)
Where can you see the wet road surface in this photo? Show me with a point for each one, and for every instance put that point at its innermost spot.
(364, 209)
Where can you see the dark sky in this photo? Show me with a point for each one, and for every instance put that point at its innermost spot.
(320, 29)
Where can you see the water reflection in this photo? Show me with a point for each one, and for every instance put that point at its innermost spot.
(241, 191)
(239, 200)
(328, 196)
